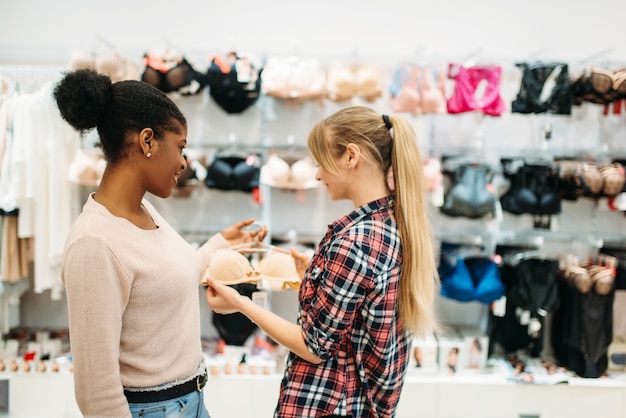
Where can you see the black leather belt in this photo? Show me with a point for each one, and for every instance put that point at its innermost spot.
(177, 391)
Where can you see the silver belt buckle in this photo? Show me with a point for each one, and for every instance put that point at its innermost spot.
(198, 388)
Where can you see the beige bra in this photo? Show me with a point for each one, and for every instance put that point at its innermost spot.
(232, 267)
(276, 172)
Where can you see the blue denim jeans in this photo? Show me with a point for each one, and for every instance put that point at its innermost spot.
(188, 406)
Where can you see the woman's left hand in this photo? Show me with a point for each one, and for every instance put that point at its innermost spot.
(235, 235)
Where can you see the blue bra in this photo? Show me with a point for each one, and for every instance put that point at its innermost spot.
(469, 278)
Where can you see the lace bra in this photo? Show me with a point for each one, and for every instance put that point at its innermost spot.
(276, 172)
(232, 267)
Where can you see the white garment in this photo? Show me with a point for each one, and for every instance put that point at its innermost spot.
(44, 145)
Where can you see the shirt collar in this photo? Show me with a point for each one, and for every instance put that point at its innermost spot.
(383, 204)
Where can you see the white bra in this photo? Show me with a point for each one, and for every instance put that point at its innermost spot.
(276, 172)
(232, 267)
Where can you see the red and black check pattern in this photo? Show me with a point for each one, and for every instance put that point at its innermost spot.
(349, 319)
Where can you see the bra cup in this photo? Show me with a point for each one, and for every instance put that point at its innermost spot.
(550, 203)
(433, 100)
(278, 169)
(229, 267)
(526, 200)
(232, 173)
(525, 197)
(302, 172)
(483, 199)
(509, 199)
(486, 277)
(219, 174)
(278, 266)
(457, 283)
(408, 98)
(152, 77)
(245, 176)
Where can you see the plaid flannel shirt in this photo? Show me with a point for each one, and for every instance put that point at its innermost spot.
(348, 316)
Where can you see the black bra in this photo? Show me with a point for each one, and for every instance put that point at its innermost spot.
(534, 78)
(181, 77)
(534, 188)
(234, 173)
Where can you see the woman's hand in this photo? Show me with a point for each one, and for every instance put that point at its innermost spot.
(221, 298)
(302, 261)
(235, 235)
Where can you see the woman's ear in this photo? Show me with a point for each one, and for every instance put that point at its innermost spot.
(146, 140)
(353, 154)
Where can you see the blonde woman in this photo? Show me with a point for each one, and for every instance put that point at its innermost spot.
(370, 286)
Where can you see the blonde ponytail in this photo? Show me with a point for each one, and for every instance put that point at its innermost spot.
(419, 282)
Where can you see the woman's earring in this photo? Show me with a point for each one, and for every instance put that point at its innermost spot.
(148, 155)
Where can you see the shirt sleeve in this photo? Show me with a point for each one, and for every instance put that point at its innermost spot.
(344, 279)
(208, 249)
(97, 291)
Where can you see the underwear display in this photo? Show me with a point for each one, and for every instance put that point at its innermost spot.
(531, 96)
(344, 82)
(414, 90)
(276, 172)
(470, 194)
(176, 75)
(600, 86)
(232, 267)
(234, 82)
(582, 329)
(234, 173)
(294, 78)
(531, 290)
(467, 81)
(534, 187)
(468, 276)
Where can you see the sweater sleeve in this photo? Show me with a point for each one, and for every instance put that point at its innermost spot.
(97, 289)
(206, 251)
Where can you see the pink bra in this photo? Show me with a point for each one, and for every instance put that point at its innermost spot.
(420, 98)
(276, 172)
(467, 81)
(232, 267)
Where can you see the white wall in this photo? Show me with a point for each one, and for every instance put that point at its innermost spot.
(573, 30)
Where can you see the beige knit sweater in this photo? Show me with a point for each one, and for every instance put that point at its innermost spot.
(133, 306)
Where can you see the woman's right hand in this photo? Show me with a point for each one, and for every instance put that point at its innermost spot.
(221, 298)
(302, 261)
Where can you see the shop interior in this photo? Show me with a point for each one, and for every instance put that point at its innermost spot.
(520, 116)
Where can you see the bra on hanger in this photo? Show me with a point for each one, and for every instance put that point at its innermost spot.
(175, 75)
(471, 194)
(233, 173)
(415, 90)
(294, 78)
(232, 267)
(469, 276)
(276, 172)
(535, 76)
(234, 82)
(467, 81)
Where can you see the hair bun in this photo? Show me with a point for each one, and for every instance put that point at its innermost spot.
(83, 97)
